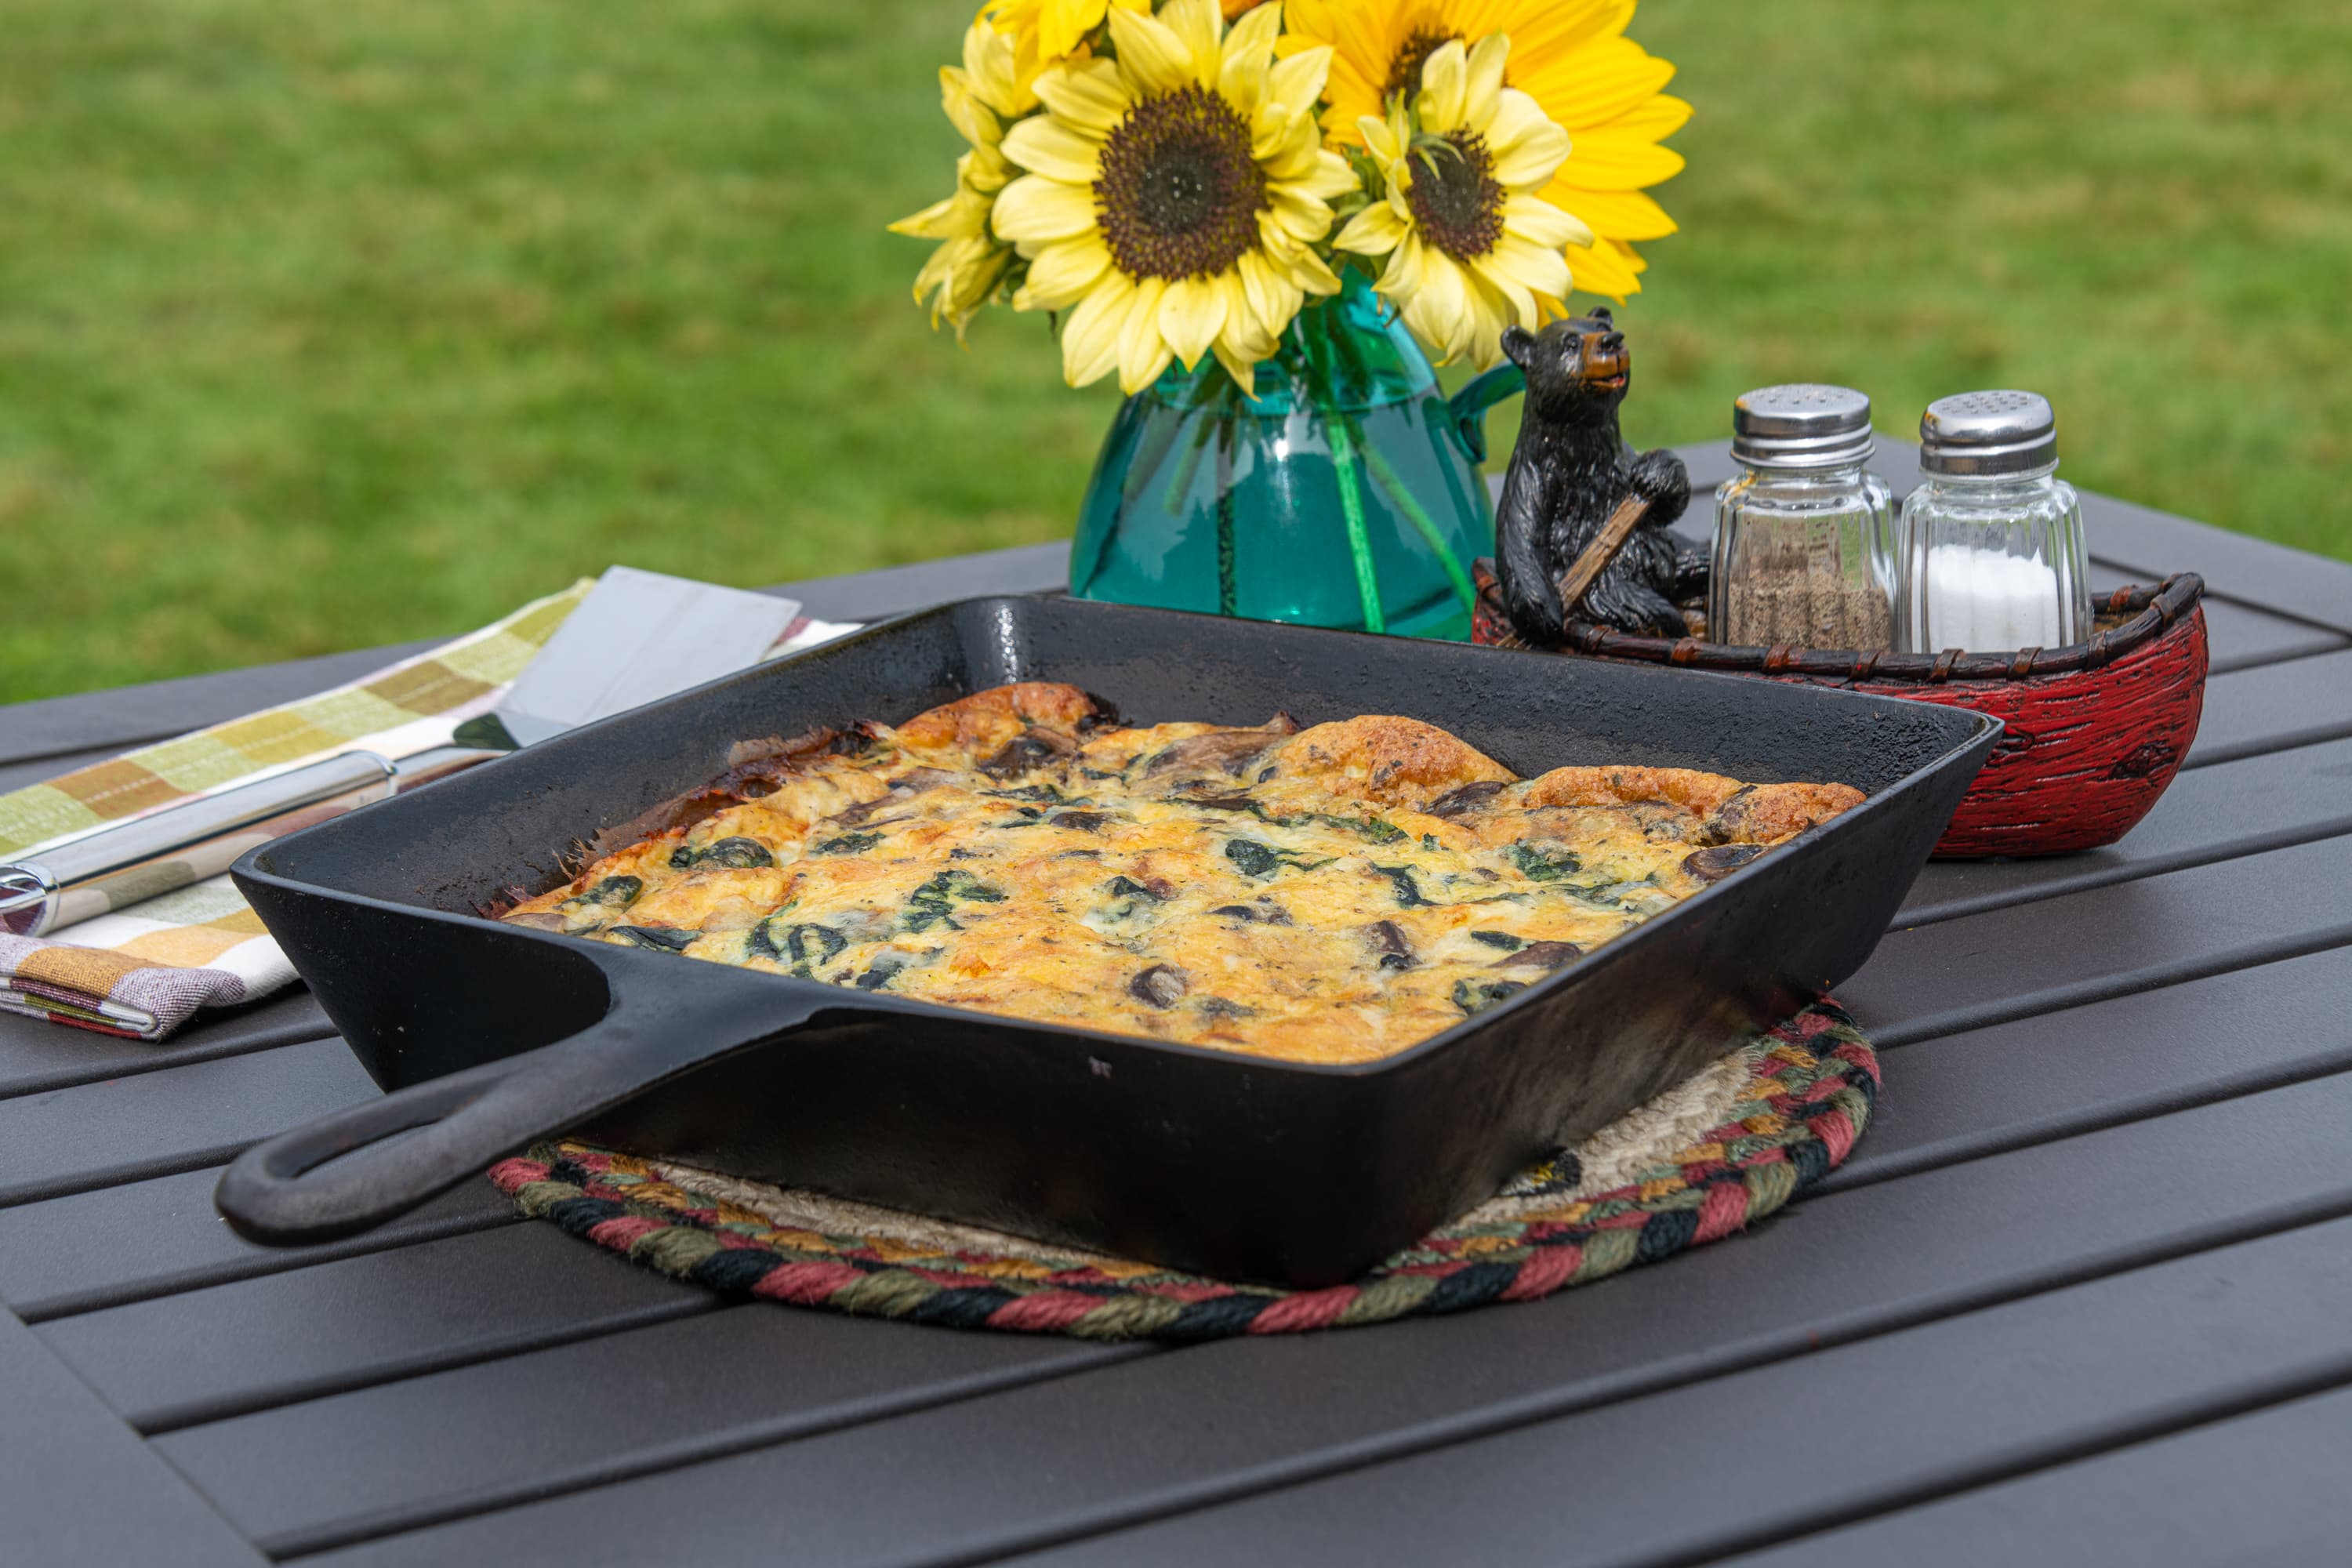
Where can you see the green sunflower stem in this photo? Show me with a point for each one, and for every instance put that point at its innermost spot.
(1351, 508)
(1315, 341)
(1228, 587)
(1393, 486)
(1181, 487)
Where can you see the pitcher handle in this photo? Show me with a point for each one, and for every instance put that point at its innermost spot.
(1469, 405)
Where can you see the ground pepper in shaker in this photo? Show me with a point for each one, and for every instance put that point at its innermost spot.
(1991, 543)
(1804, 536)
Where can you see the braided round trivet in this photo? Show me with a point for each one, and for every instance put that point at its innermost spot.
(1731, 1145)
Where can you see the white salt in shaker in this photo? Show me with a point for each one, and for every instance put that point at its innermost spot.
(1991, 543)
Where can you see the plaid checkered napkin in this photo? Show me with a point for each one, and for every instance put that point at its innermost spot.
(142, 972)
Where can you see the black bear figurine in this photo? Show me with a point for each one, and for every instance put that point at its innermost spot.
(1568, 473)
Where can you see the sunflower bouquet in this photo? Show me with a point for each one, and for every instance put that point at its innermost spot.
(1174, 181)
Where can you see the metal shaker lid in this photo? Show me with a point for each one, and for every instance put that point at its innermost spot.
(1988, 433)
(1800, 425)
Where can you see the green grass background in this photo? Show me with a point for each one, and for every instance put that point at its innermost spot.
(325, 325)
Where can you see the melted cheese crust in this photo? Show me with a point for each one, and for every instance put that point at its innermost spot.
(1328, 895)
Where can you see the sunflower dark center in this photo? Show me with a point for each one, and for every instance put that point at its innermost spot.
(1405, 71)
(1179, 194)
(1457, 203)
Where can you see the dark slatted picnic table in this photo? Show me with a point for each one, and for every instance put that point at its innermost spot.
(2083, 1294)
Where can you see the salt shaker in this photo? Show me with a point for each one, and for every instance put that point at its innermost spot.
(1991, 543)
(1804, 536)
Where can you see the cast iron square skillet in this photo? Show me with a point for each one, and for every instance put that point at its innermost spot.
(491, 1035)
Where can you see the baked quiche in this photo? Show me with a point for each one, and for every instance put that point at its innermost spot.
(1331, 894)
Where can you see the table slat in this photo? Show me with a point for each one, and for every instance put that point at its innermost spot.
(2030, 1081)
(2210, 814)
(2012, 962)
(357, 1320)
(126, 1505)
(2266, 1487)
(1169, 1432)
(1765, 1454)
(150, 1238)
(36, 1056)
(2249, 712)
(329, 1470)
(74, 1140)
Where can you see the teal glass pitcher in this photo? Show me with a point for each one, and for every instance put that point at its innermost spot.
(1346, 492)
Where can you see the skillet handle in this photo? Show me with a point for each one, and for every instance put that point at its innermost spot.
(350, 1172)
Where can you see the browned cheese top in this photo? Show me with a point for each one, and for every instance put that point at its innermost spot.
(1332, 894)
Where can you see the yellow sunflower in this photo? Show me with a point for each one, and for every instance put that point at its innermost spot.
(1471, 247)
(1043, 31)
(1174, 194)
(1571, 57)
(970, 261)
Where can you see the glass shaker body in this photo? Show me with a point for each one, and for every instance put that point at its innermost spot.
(1804, 556)
(1993, 563)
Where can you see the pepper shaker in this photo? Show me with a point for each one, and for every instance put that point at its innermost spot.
(1991, 543)
(1804, 536)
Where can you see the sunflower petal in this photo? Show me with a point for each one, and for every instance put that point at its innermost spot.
(1086, 94)
(1526, 147)
(1243, 369)
(1311, 275)
(1198, 24)
(1063, 24)
(989, 64)
(1606, 267)
(1191, 313)
(1606, 162)
(1044, 145)
(1518, 300)
(964, 213)
(1034, 210)
(1297, 81)
(1483, 79)
(1249, 57)
(1445, 85)
(1060, 275)
(1530, 217)
(1375, 231)
(1152, 58)
(1594, 86)
(973, 120)
(1331, 176)
(1090, 335)
(1143, 352)
(1489, 313)
(1270, 299)
(1619, 215)
(1304, 218)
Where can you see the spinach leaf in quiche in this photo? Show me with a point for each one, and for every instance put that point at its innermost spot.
(848, 844)
(1256, 859)
(733, 854)
(1478, 995)
(803, 943)
(1408, 891)
(612, 892)
(934, 902)
(1538, 865)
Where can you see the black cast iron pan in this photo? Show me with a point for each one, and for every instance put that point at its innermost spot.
(491, 1035)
